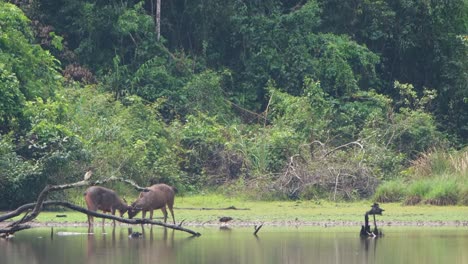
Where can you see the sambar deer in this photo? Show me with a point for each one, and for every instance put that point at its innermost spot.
(106, 200)
(158, 197)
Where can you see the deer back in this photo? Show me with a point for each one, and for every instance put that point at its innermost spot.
(157, 197)
(100, 198)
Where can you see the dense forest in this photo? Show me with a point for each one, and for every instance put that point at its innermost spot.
(274, 99)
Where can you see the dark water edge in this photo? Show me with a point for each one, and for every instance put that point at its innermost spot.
(236, 245)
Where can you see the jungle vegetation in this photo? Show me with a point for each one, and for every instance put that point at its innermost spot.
(275, 99)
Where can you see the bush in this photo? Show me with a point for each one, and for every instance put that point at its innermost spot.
(443, 193)
(20, 181)
(417, 191)
(440, 162)
(391, 191)
(463, 195)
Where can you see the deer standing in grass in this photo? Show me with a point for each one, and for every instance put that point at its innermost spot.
(158, 197)
(106, 200)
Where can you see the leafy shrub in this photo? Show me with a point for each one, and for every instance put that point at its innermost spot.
(463, 194)
(439, 162)
(20, 181)
(417, 191)
(443, 192)
(391, 191)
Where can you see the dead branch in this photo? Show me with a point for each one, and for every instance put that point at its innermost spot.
(6, 232)
(37, 207)
(343, 146)
(14, 227)
(257, 228)
(132, 183)
(317, 168)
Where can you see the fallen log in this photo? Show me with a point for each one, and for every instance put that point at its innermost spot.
(49, 188)
(37, 207)
(14, 227)
(6, 232)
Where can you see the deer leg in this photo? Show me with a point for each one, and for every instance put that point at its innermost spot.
(90, 220)
(113, 214)
(103, 219)
(151, 215)
(163, 209)
(90, 217)
(172, 213)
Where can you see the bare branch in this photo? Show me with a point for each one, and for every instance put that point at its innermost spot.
(37, 207)
(257, 228)
(343, 146)
(6, 232)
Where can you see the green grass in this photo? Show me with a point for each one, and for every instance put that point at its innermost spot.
(392, 191)
(286, 212)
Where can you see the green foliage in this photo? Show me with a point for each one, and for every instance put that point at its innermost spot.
(419, 43)
(154, 79)
(315, 193)
(417, 191)
(27, 71)
(201, 138)
(12, 99)
(443, 192)
(440, 163)
(20, 181)
(463, 194)
(276, 48)
(204, 93)
(392, 191)
(128, 141)
(308, 115)
(319, 99)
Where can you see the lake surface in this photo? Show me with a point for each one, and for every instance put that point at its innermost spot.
(236, 245)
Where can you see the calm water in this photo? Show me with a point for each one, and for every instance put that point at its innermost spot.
(238, 245)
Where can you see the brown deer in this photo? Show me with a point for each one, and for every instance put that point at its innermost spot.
(106, 200)
(158, 196)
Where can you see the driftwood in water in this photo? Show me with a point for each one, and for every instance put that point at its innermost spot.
(365, 229)
(37, 208)
(257, 228)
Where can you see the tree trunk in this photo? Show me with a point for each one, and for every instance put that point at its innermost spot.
(158, 19)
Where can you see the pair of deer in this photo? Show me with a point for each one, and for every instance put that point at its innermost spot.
(107, 200)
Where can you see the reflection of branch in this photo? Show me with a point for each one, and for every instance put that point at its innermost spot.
(25, 207)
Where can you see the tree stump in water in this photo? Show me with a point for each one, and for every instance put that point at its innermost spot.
(366, 229)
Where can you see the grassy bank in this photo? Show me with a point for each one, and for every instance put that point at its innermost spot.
(292, 212)
(437, 178)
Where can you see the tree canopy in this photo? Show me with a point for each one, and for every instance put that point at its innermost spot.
(280, 96)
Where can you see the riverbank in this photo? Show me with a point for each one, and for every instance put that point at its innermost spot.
(205, 210)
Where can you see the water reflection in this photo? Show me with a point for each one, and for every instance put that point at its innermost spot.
(233, 245)
(369, 246)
